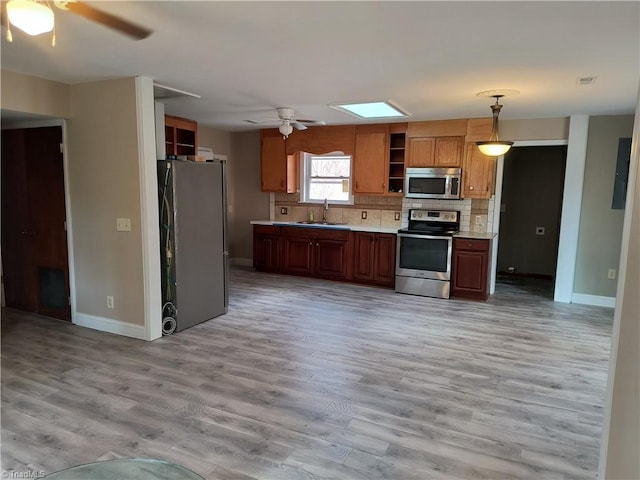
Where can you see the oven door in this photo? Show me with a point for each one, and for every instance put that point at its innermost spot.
(424, 256)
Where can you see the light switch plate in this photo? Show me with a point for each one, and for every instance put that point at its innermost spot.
(123, 224)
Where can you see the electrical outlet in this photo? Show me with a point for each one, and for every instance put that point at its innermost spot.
(478, 220)
(363, 215)
(611, 274)
(396, 216)
(283, 210)
(123, 224)
(110, 301)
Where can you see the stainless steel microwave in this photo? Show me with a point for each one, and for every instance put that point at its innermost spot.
(442, 183)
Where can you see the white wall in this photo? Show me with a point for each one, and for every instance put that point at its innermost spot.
(620, 448)
(104, 184)
(600, 226)
(24, 93)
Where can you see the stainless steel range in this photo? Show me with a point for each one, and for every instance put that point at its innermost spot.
(423, 256)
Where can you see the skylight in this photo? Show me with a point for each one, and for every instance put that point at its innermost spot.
(371, 110)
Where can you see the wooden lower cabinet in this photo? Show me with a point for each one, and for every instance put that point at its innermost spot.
(374, 258)
(315, 251)
(332, 254)
(470, 276)
(266, 248)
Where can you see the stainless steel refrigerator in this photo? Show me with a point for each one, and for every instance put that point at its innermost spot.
(193, 236)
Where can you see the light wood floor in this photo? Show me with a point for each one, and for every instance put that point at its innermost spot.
(307, 379)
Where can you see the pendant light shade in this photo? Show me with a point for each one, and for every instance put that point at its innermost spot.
(30, 16)
(494, 147)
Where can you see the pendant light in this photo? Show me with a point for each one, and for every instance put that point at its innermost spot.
(30, 16)
(494, 147)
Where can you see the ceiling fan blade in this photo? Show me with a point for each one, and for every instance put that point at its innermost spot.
(298, 126)
(312, 122)
(108, 20)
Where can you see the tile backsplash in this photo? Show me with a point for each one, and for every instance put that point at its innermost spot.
(475, 215)
(377, 210)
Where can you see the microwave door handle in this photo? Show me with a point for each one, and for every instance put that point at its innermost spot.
(447, 186)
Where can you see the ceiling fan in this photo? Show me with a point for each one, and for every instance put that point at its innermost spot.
(286, 117)
(36, 16)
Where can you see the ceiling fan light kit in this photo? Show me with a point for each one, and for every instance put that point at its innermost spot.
(285, 129)
(35, 17)
(30, 16)
(495, 147)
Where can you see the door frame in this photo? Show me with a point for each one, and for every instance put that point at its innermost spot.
(58, 122)
(571, 206)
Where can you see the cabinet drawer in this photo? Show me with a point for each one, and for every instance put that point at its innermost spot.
(266, 229)
(332, 234)
(320, 233)
(476, 245)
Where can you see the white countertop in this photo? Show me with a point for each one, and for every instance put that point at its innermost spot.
(365, 228)
(358, 228)
(475, 235)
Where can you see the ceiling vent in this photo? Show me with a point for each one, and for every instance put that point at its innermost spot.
(590, 80)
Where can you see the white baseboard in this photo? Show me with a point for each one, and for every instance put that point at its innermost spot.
(595, 300)
(242, 262)
(109, 325)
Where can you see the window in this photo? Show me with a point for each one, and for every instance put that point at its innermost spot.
(326, 176)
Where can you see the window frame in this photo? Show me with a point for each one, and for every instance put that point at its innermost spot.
(305, 178)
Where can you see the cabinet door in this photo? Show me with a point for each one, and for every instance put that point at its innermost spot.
(421, 152)
(385, 259)
(478, 173)
(470, 272)
(369, 163)
(363, 255)
(330, 258)
(298, 255)
(449, 152)
(273, 164)
(265, 252)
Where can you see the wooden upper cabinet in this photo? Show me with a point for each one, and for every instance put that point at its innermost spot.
(478, 129)
(181, 135)
(435, 151)
(421, 151)
(322, 139)
(370, 159)
(438, 128)
(278, 170)
(436, 143)
(448, 152)
(478, 173)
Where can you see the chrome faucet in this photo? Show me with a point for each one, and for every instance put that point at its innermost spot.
(325, 210)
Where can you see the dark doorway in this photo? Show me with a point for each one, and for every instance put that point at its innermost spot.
(530, 213)
(34, 239)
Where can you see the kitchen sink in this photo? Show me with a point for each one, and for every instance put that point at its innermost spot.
(306, 222)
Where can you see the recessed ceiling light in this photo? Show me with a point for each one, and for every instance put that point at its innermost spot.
(371, 109)
(589, 80)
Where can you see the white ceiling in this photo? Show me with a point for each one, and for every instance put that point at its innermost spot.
(431, 58)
